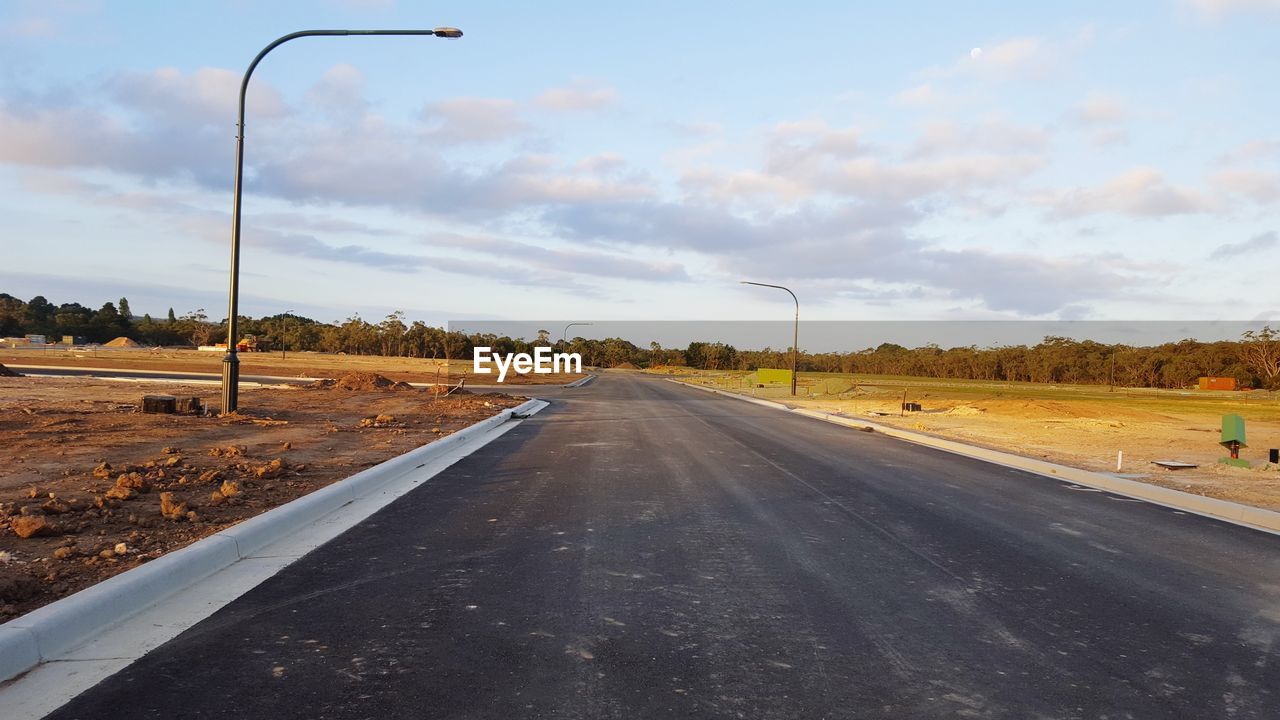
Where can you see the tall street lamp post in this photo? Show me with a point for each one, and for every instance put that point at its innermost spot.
(231, 362)
(795, 340)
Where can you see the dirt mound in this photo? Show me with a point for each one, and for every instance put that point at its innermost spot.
(123, 342)
(625, 366)
(361, 381)
(6, 372)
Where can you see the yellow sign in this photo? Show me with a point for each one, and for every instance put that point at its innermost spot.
(769, 376)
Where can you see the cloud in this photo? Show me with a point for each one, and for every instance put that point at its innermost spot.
(1101, 109)
(697, 129)
(474, 120)
(32, 28)
(581, 94)
(1217, 9)
(808, 159)
(1246, 248)
(1021, 58)
(1250, 152)
(307, 246)
(922, 94)
(560, 260)
(1257, 185)
(847, 209)
(1141, 192)
(340, 93)
(842, 249)
(947, 137)
(1103, 117)
(208, 96)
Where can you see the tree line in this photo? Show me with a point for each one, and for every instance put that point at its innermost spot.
(1253, 360)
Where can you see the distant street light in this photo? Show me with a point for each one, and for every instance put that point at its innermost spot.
(231, 362)
(795, 341)
(565, 334)
(284, 327)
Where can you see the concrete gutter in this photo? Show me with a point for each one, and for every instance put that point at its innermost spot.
(580, 382)
(56, 629)
(1235, 513)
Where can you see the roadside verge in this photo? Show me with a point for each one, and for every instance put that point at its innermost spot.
(1236, 513)
(55, 630)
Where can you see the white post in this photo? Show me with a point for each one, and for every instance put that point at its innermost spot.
(1119, 459)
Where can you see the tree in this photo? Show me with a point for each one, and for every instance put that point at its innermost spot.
(1260, 352)
(195, 325)
(172, 318)
(124, 310)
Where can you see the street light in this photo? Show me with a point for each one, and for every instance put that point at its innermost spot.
(231, 362)
(284, 326)
(795, 341)
(565, 334)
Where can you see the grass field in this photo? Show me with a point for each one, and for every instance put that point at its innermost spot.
(1080, 425)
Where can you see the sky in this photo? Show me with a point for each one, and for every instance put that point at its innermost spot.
(887, 161)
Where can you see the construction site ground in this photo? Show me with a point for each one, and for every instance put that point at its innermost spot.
(100, 487)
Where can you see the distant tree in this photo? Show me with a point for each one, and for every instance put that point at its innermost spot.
(172, 318)
(544, 337)
(196, 326)
(123, 308)
(1260, 352)
(391, 333)
(106, 323)
(40, 313)
(12, 315)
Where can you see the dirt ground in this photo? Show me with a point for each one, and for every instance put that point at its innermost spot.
(102, 487)
(1079, 426)
(304, 364)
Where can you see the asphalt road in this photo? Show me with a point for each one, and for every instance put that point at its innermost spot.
(643, 550)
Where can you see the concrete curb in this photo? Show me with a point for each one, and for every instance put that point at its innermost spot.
(1235, 513)
(59, 627)
(581, 382)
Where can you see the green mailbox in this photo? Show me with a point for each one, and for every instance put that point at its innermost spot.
(1233, 434)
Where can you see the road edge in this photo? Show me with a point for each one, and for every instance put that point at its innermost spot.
(1247, 516)
(54, 630)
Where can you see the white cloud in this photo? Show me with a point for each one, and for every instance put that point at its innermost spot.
(581, 94)
(1215, 9)
(1257, 185)
(947, 137)
(474, 120)
(1101, 109)
(1141, 192)
(340, 93)
(922, 94)
(1251, 152)
(1251, 247)
(1022, 58)
(206, 96)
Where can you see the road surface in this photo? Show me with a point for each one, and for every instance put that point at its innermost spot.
(644, 550)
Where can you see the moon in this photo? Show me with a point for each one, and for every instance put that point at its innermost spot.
(975, 53)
